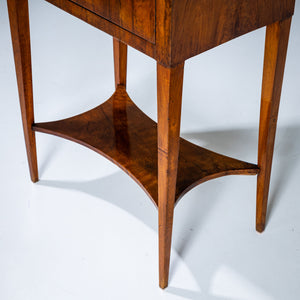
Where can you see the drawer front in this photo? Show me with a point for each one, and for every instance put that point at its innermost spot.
(136, 16)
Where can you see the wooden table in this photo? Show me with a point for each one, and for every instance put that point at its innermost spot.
(163, 164)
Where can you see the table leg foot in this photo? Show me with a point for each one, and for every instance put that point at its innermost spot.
(277, 36)
(169, 94)
(19, 24)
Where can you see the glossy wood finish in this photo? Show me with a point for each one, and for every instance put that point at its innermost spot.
(130, 141)
(199, 25)
(154, 155)
(183, 28)
(277, 36)
(120, 62)
(106, 26)
(169, 96)
(136, 16)
(19, 24)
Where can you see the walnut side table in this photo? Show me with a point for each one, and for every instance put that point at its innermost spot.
(170, 31)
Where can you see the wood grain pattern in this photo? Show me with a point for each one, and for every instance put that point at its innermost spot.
(136, 153)
(169, 96)
(120, 62)
(137, 16)
(277, 36)
(19, 25)
(154, 155)
(199, 25)
(105, 25)
(163, 32)
(173, 31)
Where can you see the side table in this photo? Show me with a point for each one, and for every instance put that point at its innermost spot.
(170, 31)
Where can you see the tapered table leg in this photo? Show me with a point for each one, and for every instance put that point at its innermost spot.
(120, 62)
(19, 24)
(169, 94)
(119, 107)
(277, 36)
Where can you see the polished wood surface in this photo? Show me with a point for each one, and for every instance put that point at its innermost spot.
(130, 141)
(170, 31)
(19, 24)
(120, 62)
(183, 28)
(277, 36)
(169, 98)
(137, 16)
(106, 25)
(199, 25)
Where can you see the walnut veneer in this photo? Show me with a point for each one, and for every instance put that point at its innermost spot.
(170, 31)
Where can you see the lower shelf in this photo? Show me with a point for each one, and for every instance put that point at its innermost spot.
(120, 131)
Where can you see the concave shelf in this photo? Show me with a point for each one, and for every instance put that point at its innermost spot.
(120, 131)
